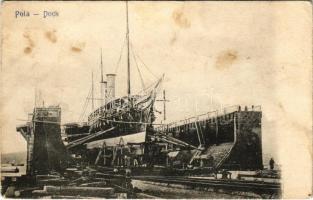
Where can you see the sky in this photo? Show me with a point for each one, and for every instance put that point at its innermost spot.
(228, 53)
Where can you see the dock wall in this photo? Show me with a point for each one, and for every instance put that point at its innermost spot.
(45, 149)
(247, 151)
(233, 137)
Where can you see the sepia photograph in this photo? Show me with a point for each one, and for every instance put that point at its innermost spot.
(156, 99)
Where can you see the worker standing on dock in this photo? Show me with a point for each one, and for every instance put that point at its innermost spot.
(272, 162)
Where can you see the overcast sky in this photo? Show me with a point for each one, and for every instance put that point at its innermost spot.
(247, 53)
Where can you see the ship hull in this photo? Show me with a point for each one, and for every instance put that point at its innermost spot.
(134, 138)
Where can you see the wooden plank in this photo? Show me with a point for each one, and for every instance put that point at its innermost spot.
(83, 191)
(87, 138)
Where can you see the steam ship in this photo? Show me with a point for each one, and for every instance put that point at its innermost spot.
(119, 119)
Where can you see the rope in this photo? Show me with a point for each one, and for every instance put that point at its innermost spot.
(141, 79)
(150, 86)
(121, 53)
(128, 122)
(155, 76)
(84, 107)
(118, 63)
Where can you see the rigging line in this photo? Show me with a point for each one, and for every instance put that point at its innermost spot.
(128, 61)
(83, 109)
(129, 122)
(140, 75)
(85, 106)
(82, 115)
(156, 83)
(150, 86)
(155, 76)
(120, 57)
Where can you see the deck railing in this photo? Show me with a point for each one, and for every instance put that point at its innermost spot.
(210, 115)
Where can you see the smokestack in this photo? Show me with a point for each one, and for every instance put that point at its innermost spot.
(110, 86)
(103, 93)
(105, 90)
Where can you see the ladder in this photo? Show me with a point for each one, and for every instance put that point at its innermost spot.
(196, 154)
(200, 135)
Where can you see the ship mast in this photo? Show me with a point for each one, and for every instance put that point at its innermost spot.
(101, 65)
(92, 95)
(102, 82)
(128, 62)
